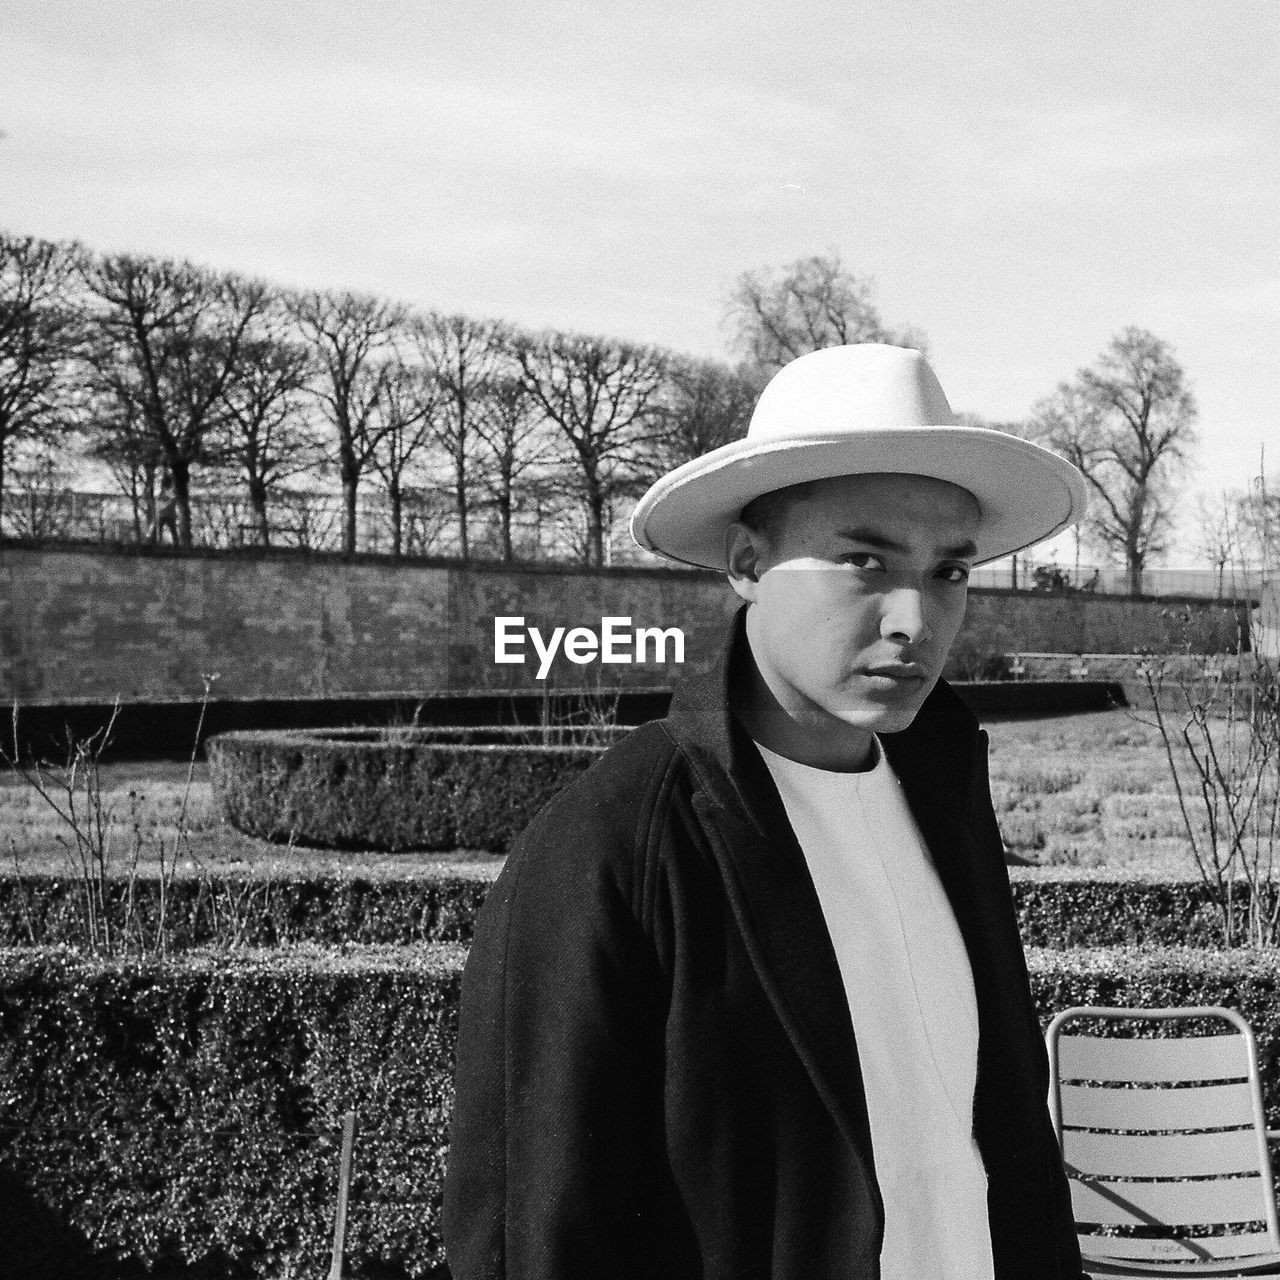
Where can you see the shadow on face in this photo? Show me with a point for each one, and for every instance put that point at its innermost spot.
(932, 513)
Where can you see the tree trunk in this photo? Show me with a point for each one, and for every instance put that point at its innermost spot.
(397, 506)
(181, 473)
(349, 484)
(1135, 571)
(135, 501)
(595, 527)
(149, 502)
(3, 443)
(1133, 554)
(460, 498)
(504, 519)
(258, 502)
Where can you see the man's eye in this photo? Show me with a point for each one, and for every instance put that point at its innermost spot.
(864, 560)
(955, 572)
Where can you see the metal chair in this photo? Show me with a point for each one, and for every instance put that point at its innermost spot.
(1164, 1133)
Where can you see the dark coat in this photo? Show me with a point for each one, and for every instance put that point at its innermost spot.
(657, 1075)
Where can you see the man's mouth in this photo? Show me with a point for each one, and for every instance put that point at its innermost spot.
(902, 671)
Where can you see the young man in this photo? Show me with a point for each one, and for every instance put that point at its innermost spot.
(749, 1000)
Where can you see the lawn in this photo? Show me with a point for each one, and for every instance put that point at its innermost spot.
(144, 803)
(1091, 790)
(1088, 791)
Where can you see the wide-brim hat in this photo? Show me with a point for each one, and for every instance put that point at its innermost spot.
(858, 410)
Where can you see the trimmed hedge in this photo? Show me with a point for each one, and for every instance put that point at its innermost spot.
(187, 1114)
(230, 910)
(1100, 910)
(435, 788)
(439, 904)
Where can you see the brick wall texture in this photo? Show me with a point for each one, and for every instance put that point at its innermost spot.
(93, 625)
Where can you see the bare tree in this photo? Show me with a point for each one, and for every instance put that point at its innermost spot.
(1128, 423)
(465, 356)
(1258, 511)
(812, 303)
(120, 439)
(38, 330)
(514, 443)
(603, 397)
(351, 335)
(166, 341)
(707, 403)
(406, 411)
(267, 437)
(1220, 537)
(1010, 427)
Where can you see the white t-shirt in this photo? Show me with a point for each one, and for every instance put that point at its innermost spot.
(915, 1018)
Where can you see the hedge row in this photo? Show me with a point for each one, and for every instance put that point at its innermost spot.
(393, 789)
(439, 905)
(187, 1114)
(229, 910)
(1101, 911)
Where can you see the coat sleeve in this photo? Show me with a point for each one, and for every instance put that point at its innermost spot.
(557, 1167)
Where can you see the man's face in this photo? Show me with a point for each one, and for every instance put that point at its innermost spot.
(856, 597)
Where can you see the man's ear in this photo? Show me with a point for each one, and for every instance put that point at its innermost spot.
(744, 555)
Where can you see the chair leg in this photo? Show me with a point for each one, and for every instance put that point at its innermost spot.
(345, 1160)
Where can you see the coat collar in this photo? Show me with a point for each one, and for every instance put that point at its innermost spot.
(936, 751)
(766, 876)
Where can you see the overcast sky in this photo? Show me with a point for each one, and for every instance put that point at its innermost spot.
(1022, 179)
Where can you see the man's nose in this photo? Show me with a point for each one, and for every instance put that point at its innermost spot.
(902, 616)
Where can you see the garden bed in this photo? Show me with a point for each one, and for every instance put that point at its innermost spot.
(1089, 791)
(181, 1115)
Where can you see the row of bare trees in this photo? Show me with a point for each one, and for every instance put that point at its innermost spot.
(165, 371)
(169, 373)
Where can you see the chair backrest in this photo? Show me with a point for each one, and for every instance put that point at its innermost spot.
(1166, 1132)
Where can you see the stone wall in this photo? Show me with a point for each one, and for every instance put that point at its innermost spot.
(92, 624)
(1000, 621)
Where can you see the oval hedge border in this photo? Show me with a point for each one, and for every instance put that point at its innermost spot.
(400, 788)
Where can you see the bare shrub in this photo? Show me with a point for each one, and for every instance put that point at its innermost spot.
(1221, 737)
(108, 853)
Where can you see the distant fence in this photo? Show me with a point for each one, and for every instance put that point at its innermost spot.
(303, 520)
(546, 531)
(1031, 575)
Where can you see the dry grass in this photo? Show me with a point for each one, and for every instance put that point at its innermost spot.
(1088, 790)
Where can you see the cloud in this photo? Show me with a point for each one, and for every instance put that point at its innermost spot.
(1034, 155)
(1260, 297)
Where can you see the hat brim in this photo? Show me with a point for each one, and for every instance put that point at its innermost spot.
(1026, 493)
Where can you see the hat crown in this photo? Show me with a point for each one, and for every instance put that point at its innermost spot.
(845, 390)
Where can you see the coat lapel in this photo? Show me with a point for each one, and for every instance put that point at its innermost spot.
(936, 762)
